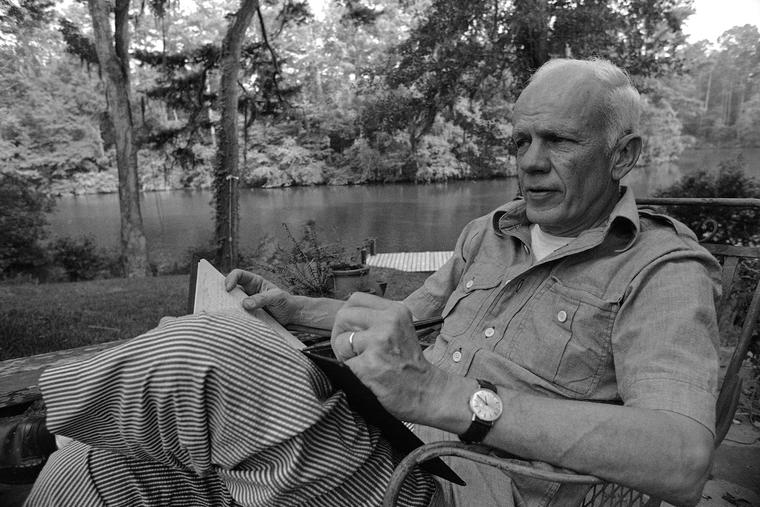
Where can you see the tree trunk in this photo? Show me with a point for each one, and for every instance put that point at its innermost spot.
(531, 31)
(227, 159)
(113, 56)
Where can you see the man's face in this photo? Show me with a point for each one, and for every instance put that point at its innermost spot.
(563, 161)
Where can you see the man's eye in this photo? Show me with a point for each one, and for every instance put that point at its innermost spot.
(518, 145)
(557, 139)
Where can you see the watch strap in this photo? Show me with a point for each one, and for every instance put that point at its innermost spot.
(476, 432)
(478, 427)
(484, 384)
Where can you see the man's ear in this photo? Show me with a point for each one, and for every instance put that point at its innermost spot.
(626, 155)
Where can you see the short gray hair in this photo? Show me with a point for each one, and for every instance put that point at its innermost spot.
(621, 108)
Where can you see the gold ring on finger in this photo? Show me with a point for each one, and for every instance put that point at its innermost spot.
(351, 342)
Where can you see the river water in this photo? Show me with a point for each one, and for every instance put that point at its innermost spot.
(402, 217)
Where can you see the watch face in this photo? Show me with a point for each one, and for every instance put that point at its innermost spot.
(486, 405)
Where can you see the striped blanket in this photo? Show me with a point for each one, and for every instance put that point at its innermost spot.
(211, 409)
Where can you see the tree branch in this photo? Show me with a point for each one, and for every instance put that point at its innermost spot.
(275, 63)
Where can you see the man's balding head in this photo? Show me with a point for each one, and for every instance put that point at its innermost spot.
(620, 103)
(575, 130)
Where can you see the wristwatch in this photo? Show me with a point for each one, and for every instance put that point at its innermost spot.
(486, 408)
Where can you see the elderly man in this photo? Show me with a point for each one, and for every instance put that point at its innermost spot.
(577, 332)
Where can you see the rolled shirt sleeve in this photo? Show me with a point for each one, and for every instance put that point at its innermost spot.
(665, 338)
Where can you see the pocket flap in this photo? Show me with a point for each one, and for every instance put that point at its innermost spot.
(482, 277)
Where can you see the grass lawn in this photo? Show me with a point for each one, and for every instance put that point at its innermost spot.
(42, 318)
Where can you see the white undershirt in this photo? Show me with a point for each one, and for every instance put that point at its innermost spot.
(544, 243)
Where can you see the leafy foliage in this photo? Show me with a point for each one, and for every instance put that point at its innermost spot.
(82, 259)
(731, 226)
(717, 96)
(374, 91)
(482, 53)
(50, 108)
(661, 131)
(77, 44)
(23, 204)
(306, 264)
(479, 49)
(185, 83)
(748, 122)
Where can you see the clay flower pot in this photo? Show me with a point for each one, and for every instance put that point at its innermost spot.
(350, 278)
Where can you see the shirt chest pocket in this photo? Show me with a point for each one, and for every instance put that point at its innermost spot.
(470, 299)
(563, 336)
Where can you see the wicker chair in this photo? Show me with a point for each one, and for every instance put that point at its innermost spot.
(603, 493)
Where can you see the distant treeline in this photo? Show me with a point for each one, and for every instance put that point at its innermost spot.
(372, 91)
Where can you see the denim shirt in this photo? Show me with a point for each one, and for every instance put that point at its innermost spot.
(623, 313)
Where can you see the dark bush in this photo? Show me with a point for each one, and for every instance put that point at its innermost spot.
(23, 205)
(730, 226)
(82, 259)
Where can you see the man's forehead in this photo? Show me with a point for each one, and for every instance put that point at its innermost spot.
(561, 96)
(569, 75)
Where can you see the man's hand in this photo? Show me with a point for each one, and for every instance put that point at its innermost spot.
(263, 294)
(387, 357)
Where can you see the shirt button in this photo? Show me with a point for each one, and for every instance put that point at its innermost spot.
(562, 316)
(456, 356)
(489, 332)
(468, 284)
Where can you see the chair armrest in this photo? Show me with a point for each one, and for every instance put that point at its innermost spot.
(480, 454)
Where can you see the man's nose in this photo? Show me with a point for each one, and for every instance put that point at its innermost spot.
(535, 158)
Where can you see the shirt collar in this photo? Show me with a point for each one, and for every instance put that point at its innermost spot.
(510, 219)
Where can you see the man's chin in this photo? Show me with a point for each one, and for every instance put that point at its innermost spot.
(545, 216)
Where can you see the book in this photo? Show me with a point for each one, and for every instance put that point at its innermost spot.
(210, 295)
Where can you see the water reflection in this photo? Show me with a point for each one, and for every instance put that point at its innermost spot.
(402, 217)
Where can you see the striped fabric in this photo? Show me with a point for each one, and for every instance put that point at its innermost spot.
(73, 460)
(410, 261)
(212, 409)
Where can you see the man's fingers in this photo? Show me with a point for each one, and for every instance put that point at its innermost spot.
(250, 282)
(363, 299)
(363, 310)
(349, 324)
(234, 279)
(253, 302)
(355, 318)
(264, 299)
(349, 344)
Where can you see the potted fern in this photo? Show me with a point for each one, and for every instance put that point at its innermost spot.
(316, 268)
